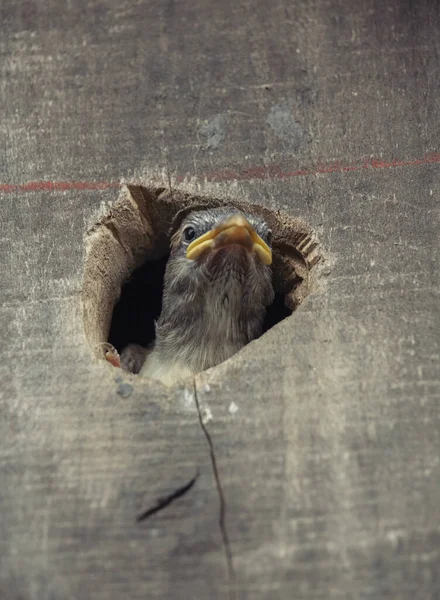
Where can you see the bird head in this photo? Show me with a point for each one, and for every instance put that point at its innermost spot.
(206, 233)
(208, 237)
(226, 253)
(218, 284)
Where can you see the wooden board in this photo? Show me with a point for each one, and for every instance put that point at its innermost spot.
(325, 432)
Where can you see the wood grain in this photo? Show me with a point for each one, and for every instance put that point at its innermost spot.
(330, 467)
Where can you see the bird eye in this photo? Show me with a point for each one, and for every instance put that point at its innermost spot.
(269, 236)
(189, 233)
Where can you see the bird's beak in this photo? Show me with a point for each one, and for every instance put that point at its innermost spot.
(235, 230)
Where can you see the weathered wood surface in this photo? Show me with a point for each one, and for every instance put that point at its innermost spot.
(330, 468)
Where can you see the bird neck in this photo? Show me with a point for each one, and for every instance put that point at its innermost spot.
(204, 328)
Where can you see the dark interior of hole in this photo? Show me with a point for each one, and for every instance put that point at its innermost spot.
(139, 306)
(141, 301)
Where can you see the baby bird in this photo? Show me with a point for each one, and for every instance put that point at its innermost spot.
(218, 284)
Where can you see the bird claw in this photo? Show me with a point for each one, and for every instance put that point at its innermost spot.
(133, 357)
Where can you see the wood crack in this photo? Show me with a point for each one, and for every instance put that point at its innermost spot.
(222, 512)
(166, 500)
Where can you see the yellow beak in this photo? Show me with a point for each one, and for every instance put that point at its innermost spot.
(235, 230)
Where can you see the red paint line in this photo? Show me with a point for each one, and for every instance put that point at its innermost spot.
(246, 174)
(275, 172)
